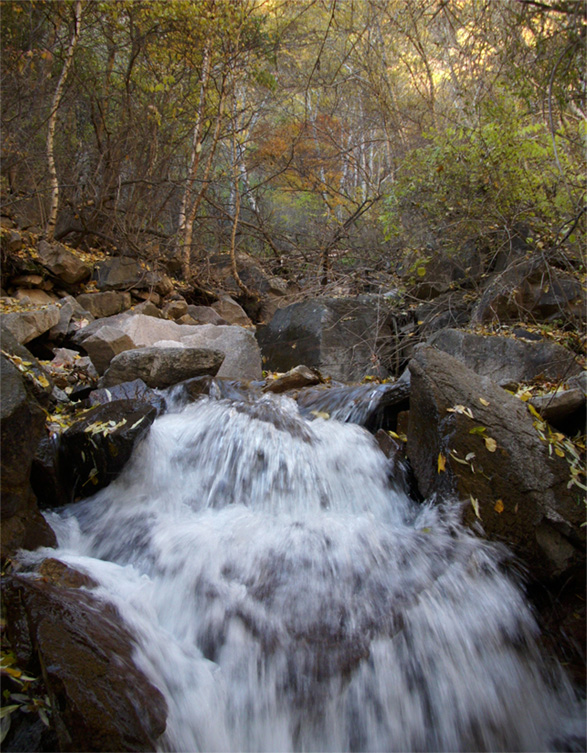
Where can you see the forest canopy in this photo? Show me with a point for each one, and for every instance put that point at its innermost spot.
(368, 134)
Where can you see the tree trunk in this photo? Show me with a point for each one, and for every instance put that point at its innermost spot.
(184, 227)
(52, 221)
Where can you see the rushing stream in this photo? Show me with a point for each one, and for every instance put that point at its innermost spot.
(286, 596)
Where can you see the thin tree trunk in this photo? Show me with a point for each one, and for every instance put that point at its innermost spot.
(52, 221)
(183, 230)
(191, 214)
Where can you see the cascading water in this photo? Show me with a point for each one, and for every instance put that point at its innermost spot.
(284, 596)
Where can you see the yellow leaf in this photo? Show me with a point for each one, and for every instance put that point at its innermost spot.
(533, 411)
(559, 452)
(441, 463)
(421, 271)
(475, 505)
(490, 443)
(499, 506)
(320, 414)
(483, 401)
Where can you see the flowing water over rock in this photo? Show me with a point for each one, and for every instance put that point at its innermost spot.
(286, 597)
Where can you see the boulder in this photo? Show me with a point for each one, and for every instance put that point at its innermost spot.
(341, 337)
(242, 356)
(175, 308)
(35, 296)
(294, 379)
(72, 317)
(250, 272)
(104, 344)
(496, 462)
(11, 240)
(95, 449)
(62, 263)
(145, 331)
(187, 319)
(136, 390)
(231, 312)
(507, 359)
(21, 426)
(147, 296)
(162, 367)
(100, 700)
(103, 304)
(36, 378)
(529, 288)
(148, 308)
(205, 315)
(27, 325)
(46, 475)
(118, 273)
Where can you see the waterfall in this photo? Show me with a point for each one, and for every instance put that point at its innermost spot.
(285, 595)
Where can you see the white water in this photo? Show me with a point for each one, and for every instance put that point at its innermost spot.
(285, 597)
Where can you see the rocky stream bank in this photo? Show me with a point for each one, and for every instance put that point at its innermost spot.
(478, 400)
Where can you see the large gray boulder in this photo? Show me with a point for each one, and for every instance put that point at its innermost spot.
(62, 263)
(162, 367)
(242, 356)
(507, 359)
(104, 344)
(495, 461)
(27, 325)
(341, 337)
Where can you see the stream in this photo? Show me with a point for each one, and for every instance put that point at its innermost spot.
(287, 595)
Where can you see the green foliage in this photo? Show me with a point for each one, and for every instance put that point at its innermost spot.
(486, 181)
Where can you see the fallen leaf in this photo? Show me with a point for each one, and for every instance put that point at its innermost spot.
(441, 463)
(483, 401)
(475, 505)
(461, 409)
(478, 430)
(499, 506)
(490, 443)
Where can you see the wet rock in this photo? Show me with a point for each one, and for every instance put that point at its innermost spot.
(294, 379)
(104, 344)
(373, 406)
(118, 273)
(229, 310)
(104, 304)
(27, 325)
(507, 359)
(46, 476)
(162, 367)
(95, 449)
(242, 356)
(135, 390)
(100, 700)
(340, 337)
(21, 425)
(62, 263)
(519, 488)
